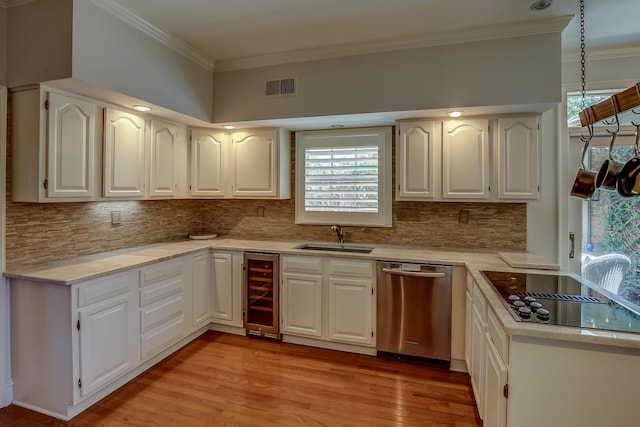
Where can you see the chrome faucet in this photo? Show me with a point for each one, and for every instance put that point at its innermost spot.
(340, 232)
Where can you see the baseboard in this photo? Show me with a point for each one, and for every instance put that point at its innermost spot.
(458, 365)
(7, 394)
(236, 330)
(329, 345)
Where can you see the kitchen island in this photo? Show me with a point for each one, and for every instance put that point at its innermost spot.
(514, 365)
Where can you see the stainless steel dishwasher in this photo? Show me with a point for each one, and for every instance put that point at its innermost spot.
(414, 310)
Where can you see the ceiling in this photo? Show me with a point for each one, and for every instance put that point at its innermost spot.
(227, 30)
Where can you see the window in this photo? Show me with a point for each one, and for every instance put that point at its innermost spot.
(344, 177)
(610, 250)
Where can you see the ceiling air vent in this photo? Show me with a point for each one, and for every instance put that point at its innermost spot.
(281, 87)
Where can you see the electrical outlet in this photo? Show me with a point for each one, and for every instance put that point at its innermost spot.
(115, 217)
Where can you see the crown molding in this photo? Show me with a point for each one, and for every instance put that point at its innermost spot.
(602, 53)
(146, 27)
(517, 29)
(12, 3)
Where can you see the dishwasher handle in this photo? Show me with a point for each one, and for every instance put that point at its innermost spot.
(399, 272)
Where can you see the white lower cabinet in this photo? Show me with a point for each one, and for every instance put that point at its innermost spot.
(495, 386)
(478, 329)
(71, 341)
(468, 331)
(107, 331)
(302, 304)
(201, 290)
(350, 303)
(328, 299)
(226, 288)
(487, 354)
(301, 293)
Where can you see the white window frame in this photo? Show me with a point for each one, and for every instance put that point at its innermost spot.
(378, 136)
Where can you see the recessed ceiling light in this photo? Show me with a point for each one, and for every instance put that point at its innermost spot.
(541, 4)
(454, 114)
(229, 127)
(142, 108)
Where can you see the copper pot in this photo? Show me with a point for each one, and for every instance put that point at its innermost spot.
(607, 177)
(629, 178)
(585, 182)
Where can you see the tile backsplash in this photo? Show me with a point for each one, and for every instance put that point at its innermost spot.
(44, 232)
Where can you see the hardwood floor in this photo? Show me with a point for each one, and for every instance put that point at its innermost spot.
(222, 379)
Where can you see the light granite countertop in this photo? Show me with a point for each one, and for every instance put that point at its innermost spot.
(71, 271)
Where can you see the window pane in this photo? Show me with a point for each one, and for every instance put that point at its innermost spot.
(341, 179)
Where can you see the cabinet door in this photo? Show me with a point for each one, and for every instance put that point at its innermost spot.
(123, 154)
(350, 310)
(207, 162)
(302, 304)
(255, 163)
(418, 161)
(108, 341)
(71, 142)
(517, 158)
(477, 373)
(465, 156)
(201, 296)
(495, 413)
(222, 296)
(468, 332)
(163, 168)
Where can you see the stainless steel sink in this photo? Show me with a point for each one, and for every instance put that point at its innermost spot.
(335, 247)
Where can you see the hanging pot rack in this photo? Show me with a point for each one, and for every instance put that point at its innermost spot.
(618, 103)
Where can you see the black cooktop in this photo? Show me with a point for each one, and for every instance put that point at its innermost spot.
(563, 299)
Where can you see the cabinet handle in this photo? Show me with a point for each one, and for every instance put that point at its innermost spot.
(398, 272)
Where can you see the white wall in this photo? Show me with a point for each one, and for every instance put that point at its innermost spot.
(39, 42)
(111, 54)
(522, 70)
(542, 217)
(78, 40)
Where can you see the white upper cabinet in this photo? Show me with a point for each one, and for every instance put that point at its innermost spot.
(124, 154)
(71, 144)
(517, 158)
(55, 147)
(251, 164)
(418, 161)
(465, 159)
(207, 162)
(165, 143)
(259, 160)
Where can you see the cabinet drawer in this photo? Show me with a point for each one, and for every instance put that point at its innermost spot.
(160, 290)
(106, 287)
(160, 338)
(160, 272)
(351, 268)
(498, 335)
(155, 314)
(301, 264)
